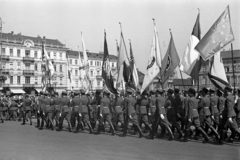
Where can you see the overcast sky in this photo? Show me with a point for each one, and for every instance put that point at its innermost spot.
(66, 19)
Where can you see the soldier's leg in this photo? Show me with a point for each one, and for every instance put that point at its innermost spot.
(187, 130)
(196, 123)
(109, 120)
(166, 126)
(1, 116)
(145, 121)
(42, 117)
(135, 122)
(209, 125)
(125, 127)
(100, 125)
(24, 117)
(86, 120)
(68, 118)
(154, 125)
(30, 116)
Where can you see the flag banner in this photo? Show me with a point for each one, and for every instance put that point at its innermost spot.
(84, 69)
(217, 37)
(152, 68)
(191, 61)
(217, 73)
(170, 61)
(134, 81)
(69, 73)
(122, 63)
(106, 70)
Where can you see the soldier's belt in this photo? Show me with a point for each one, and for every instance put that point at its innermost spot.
(76, 106)
(205, 107)
(65, 106)
(194, 109)
(105, 106)
(118, 106)
(153, 106)
(215, 106)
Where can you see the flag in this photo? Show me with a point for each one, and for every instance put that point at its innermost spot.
(170, 61)
(217, 73)
(84, 69)
(217, 37)
(106, 70)
(152, 68)
(191, 61)
(134, 73)
(69, 74)
(123, 68)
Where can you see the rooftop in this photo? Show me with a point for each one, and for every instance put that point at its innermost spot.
(228, 54)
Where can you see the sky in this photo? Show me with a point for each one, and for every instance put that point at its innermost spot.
(66, 19)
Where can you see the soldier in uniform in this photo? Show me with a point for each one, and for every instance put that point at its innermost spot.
(204, 105)
(118, 105)
(13, 109)
(27, 109)
(214, 108)
(131, 115)
(142, 104)
(6, 107)
(65, 111)
(84, 110)
(56, 111)
(75, 104)
(179, 107)
(193, 116)
(105, 113)
(152, 107)
(1, 108)
(220, 105)
(170, 105)
(237, 108)
(49, 104)
(94, 105)
(229, 117)
(37, 106)
(20, 107)
(160, 117)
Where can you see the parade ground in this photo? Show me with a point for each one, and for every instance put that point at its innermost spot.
(26, 142)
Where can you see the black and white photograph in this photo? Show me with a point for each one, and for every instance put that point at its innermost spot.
(119, 79)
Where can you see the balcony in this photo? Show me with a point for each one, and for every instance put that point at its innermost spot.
(4, 85)
(4, 57)
(28, 72)
(5, 71)
(28, 85)
(28, 59)
(99, 77)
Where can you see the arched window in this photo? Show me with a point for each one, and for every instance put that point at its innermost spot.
(204, 80)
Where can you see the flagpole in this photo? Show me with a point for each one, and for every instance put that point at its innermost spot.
(182, 79)
(233, 69)
(198, 85)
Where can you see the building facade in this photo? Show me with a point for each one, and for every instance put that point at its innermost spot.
(21, 62)
(227, 62)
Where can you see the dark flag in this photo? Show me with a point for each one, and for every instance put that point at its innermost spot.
(106, 70)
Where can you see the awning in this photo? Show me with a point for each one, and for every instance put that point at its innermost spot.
(17, 91)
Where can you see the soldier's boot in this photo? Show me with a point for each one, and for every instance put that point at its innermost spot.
(69, 126)
(139, 131)
(196, 134)
(206, 138)
(90, 127)
(170, 133)
(23, 121)
(82, 125)
(223, 134)
(93, 124)
(42, 124)
(214, 131)
(30, 120)
(148, 127)
(38, 123)
(112, 129)
(179, 132)
(186, 135)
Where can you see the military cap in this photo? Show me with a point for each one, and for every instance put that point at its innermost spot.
(228, 88)
(152, 92)
(204, 89)
(82, 92)
(129, 91)
(176, 90)
(98, 92)
(64, 93)
(76, 93)
(159, 90)
(106, 93)
(144, 93)
(212, 90)
(170, 91)
(41, 93)
(192, 91)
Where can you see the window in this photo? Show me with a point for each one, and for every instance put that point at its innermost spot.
(11, 79)
(60, 55)
(3, 51)
(70, 61)
(76, 72)
(11, 52)
(91, 63)
(35, 67)
(91, 73)
(60, 80)
(19, 65)
(18, 79)
(11, 65)
(55, 55)
(60, 68)
(35, 54)
(76, 83)
(18, 53)
(27, 80)
(98, 83)
(98, 72)
(204, 80)
(76, 61)
(55, 68)
(27, 53)
(112, 64)
(36, 80)
(27, 66)
(97, 63)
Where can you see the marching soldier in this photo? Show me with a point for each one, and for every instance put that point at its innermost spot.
(49, 105)
(56, 112)
(193, 116)
(1, 108)
(13, 109)
(179, 107)
(75, 104)
(65, 111)
(20, 107)
(220, 105)
(118, 105)
(237, 108)
(214, 108)
(152, 107)
(27, 110)
(83, 110)
(170, 104)
(94, 111)
(204, 105)
(131, 115)
(105, 113)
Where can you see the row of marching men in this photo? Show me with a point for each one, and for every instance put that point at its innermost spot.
(207, 111)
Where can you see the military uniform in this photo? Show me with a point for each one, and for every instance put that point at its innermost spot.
(49, 104)
(118, 111)
(6, 109)
(13, 109)
(56, 113)
(214, 110)
(152, 109)
(75, 104)
(105, 114)
(65, 110)
(27, 103)
(94, 109)
(179, 109)
(1, 110)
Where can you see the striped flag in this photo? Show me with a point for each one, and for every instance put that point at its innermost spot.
(69, 74)
(134, 75)
(191, 61)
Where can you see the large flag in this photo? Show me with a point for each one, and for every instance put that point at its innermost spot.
(69, 73)
(84, 69)
(123, 68)
(170, 61)
(191, 60)
(153, 67)
(134, 81)
(217, 37)
(217, 73)
(106, 70)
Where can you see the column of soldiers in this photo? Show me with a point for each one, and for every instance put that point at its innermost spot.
(208, 113)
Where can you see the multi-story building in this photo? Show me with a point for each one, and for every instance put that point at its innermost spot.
(21, 62)
(95, 69)
(227, 62)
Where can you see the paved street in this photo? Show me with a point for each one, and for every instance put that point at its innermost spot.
(28, 143)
